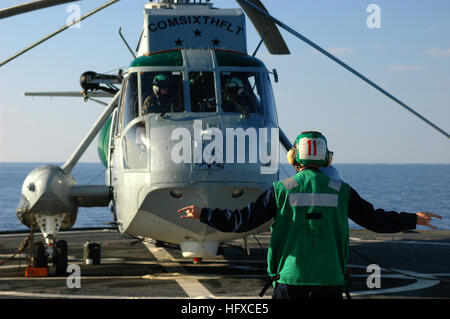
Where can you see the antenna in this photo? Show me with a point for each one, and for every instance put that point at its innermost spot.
(126, 43)
(260, 42)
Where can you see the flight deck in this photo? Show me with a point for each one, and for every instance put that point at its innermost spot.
(413, 264)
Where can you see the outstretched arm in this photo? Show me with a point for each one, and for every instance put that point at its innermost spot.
(378, 220)
(238, 220)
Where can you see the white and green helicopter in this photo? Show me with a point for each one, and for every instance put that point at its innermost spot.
(193, 122)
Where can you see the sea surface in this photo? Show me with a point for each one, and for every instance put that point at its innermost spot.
(399, 187)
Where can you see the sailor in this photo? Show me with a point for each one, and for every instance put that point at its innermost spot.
(162, 98)
(309, 243)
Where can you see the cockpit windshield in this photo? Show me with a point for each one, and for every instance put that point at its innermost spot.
(202, 90)
(207, 91)
(162, 92)
(241, 92)
(130, 102)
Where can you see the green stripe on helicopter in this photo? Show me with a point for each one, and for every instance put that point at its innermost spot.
(103, 142)
(172, 58)
(226, 58)
(175, 58)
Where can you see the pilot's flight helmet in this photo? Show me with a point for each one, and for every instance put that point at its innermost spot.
(235, 85)
(310, 148)
(160, 81)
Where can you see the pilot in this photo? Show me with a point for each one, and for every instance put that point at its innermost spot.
(162, 98)
(237, 98)
(309, 243)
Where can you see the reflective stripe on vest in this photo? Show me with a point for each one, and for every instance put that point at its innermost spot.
(335, 184)
(289, 183)
(314, 199)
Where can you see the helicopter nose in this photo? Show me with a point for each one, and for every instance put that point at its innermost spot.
(22, 211)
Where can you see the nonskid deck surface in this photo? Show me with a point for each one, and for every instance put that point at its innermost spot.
(412, 265)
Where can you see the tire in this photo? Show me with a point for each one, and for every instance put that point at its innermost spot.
(39, 259)
(60, 260)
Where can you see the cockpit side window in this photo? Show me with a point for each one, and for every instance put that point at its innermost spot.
(241, 92)
(130, 100)
(202, 92)
(162, 92)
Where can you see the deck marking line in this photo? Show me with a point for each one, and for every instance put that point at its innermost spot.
(418, 285)
(400, 241)
(192, 287)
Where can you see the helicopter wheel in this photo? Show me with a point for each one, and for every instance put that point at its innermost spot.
(60, 259)
(39, 259)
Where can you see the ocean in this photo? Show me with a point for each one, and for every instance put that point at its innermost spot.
(399, 187)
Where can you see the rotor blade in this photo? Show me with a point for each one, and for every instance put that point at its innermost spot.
(273, 39)
(31, 6)
(349, 68)
(58, 31)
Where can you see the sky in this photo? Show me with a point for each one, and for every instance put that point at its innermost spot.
(408, 55)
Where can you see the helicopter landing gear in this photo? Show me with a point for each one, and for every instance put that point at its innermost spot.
(60, 258)
(38, 261)
(55, 251)
(39, 257)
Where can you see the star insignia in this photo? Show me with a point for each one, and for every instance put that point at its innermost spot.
(215, 42)
(197, 33)
(178, 42)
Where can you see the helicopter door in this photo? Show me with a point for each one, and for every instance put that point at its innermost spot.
(134, 137)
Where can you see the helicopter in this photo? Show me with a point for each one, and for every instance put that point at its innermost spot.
(159, 160)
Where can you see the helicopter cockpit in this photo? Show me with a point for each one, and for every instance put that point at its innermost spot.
(231, 90)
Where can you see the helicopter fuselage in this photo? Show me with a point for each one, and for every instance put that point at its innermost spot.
(210, 153)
